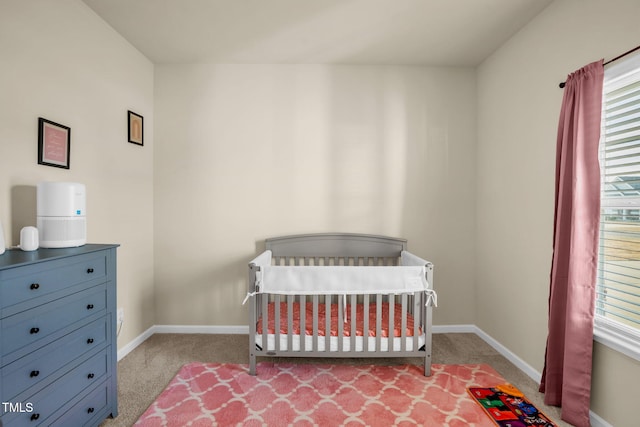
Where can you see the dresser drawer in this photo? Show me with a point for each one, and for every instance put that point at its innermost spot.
(85, 412)
(53, 397)
(53, 360)
(40, 324)
(27, 284)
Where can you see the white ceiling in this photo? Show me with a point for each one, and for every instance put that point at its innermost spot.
(412, 32)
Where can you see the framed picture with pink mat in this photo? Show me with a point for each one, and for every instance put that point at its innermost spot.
(54, 144)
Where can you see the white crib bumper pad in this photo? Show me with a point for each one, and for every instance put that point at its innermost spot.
(410, 277)
(341, 280)
(263, 259)
(407, 258)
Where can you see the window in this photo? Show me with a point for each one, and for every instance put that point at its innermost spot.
(617, 321)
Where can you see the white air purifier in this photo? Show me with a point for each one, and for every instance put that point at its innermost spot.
(61, 214)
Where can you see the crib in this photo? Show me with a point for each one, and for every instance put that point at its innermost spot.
(339, 295)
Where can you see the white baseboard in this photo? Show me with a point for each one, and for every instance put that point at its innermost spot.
(509, 355)
(180, 329)
(201, 329)
(454, 329)
(504, 351)
(129, 347)
(596, 421)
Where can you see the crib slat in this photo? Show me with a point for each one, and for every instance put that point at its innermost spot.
(290, 330)
(327, 328)
(277, 321)
(403, 331)
(391, 335)
(340, 323)
(405, 316)
(354, 320)
(378, 322)
(314, 341)
(303, 324)
(365, 328)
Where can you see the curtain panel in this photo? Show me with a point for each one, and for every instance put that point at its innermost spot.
(566, 378)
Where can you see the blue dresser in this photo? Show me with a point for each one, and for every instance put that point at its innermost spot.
(58, 336)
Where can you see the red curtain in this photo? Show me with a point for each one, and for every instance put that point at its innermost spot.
(566, 378)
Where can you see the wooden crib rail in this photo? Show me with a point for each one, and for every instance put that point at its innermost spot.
(336, 245)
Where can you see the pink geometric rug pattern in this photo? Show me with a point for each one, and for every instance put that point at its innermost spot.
(321, 395)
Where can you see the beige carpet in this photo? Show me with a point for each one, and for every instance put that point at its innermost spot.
(146, 371)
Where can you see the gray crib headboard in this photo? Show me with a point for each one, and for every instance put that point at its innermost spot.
(336, 245)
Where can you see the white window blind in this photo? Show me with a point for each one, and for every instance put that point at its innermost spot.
(618, 284)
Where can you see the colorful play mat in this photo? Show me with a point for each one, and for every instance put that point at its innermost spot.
(508, 407)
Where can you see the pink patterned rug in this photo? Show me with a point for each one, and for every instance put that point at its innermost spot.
(206, 394)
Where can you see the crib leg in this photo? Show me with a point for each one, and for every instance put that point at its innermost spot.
(252, 364)
(252, 354)
(427, 365)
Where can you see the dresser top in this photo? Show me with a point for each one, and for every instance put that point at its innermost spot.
(16, 257)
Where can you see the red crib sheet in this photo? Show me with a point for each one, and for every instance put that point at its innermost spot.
(397, 319)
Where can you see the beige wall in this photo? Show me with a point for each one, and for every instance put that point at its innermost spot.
(59, 61)
(518, 107)
(245, 152)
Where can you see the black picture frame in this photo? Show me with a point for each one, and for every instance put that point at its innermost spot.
(135, 128)
(54, 144)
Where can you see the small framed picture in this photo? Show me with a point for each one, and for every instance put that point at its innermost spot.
(136, 128)
(54, 144)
